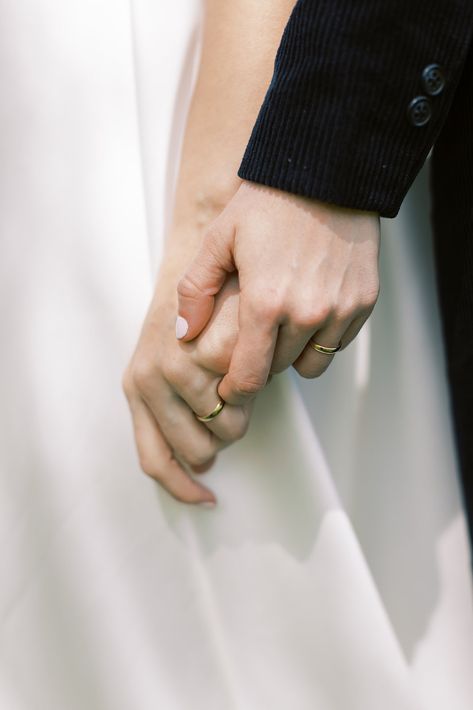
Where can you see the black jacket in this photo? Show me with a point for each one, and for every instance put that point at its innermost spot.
(360, 91)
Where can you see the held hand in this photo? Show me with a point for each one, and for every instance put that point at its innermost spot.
(167, 382)
(306, 269)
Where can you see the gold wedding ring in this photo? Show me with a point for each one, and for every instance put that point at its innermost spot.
(324, 349)
(214, 413)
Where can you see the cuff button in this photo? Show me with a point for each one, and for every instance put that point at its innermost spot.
(433, 79)
(419, 111)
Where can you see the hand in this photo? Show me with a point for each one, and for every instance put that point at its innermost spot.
(167, 381)
(305, 269)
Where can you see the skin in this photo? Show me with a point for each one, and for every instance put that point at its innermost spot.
(166, 381)
(306, 270)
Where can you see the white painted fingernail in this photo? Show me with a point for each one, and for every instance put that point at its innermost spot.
(182, 326)
(207, 504)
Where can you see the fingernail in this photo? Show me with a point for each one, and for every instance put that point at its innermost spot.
(207, 503)
(182, 326)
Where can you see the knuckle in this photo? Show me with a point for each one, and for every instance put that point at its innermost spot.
(214, 352)
(354, 306)
(196, 460)
(240, 429)
(346, 309)
(143, 375)
(309, 372)
(127, 383)
(304, 319)
(215, 361)
(172, 370)
(158, 472)
(369, 298)
(187, 287)
(200, 457)
(278, 366)
(248, 386)
(237, 430)
(148, 466)
(303, 370)
(268, 309)
(321, 313)
(310, 318)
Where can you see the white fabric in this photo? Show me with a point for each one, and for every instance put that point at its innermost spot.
(334, 572)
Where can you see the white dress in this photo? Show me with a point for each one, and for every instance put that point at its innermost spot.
(334, 573)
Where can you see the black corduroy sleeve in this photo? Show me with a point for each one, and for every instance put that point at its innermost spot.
(334, 124)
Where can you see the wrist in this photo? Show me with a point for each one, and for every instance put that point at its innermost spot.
(201, 203)
(189, 225)
(311, 203)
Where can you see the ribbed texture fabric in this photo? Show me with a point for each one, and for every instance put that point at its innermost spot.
(334, 123)
(452, 191)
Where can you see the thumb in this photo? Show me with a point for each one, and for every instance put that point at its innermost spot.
(203, 279)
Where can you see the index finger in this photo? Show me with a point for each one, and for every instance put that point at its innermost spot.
(252, 357)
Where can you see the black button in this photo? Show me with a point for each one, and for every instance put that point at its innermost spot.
(433, 79)
(420, 111)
